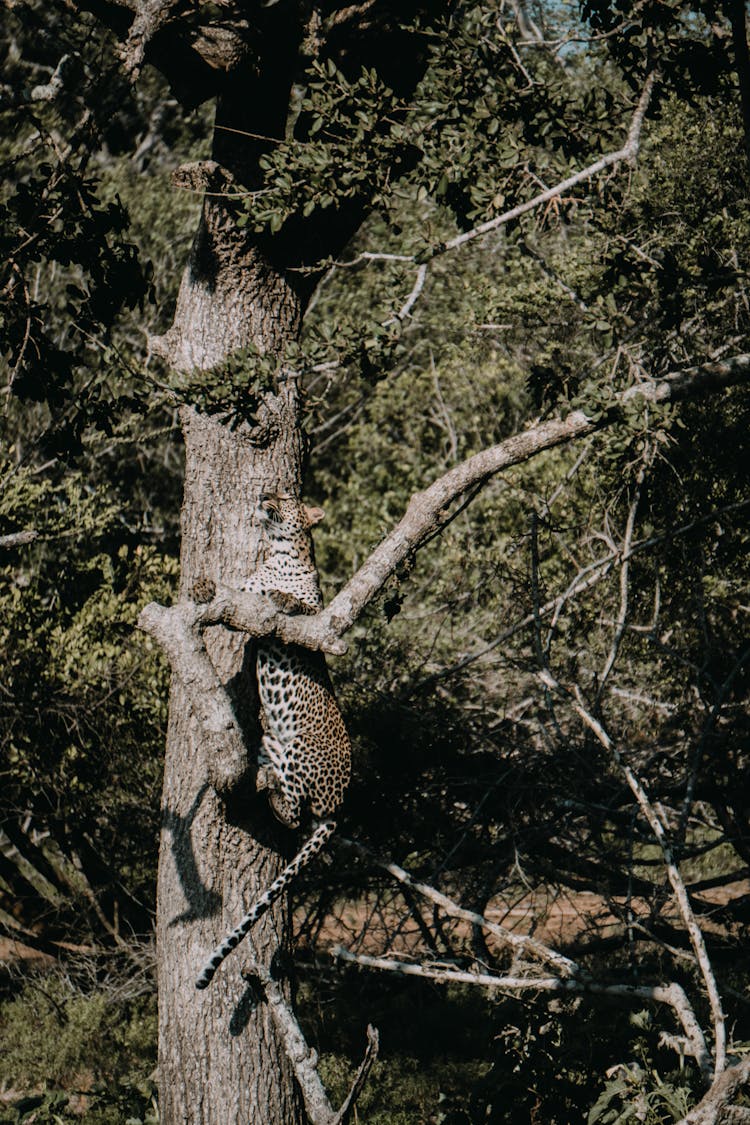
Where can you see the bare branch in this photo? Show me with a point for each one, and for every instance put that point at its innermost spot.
(304, 1059)
(150, 16)
(178, 630)
(672, 994)
(373, 1041)
(413, 297)
(673, 873)
(226, 756)
(47, 92)
(586, 577)
(625, 554)
(714, 1109)
(521, 944)
(526, 26)
(18, 539)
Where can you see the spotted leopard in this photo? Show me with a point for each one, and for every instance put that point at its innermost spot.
(305, 755)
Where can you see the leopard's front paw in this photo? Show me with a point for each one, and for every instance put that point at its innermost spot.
(265, 778)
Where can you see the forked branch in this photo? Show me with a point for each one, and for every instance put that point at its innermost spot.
(178, 629)
(304, 1059)
(715, 1108)
(568, 976)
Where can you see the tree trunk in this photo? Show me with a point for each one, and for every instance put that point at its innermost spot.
(220, 1059)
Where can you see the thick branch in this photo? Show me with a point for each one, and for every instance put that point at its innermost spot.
(226, 756)
(425, 516)
(18, 539)
(150, 15)
(177, 629)
(426, 513)
(258, 616)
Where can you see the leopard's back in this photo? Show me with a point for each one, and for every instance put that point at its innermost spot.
(305, 758)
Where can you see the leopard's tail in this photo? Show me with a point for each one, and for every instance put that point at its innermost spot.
(307, 852)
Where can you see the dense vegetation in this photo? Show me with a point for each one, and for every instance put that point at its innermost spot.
(616, 567)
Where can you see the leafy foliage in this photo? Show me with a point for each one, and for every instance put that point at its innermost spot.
(88, 1054)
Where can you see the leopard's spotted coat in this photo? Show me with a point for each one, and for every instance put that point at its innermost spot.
(305, 754)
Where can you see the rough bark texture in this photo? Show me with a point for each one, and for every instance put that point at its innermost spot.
(221, 1057)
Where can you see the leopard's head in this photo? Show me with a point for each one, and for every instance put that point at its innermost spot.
(286, 519)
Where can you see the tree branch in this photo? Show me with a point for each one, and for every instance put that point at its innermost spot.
(587, 577)
(673, 994)
(304, 1059)
(254, 614)
(628, 152)
(426, 512)
(521, 944)
(226, 756)
(149, 17)
(47, 92)
(18, 539)
(178, 630)
(714, 1108)
(675, 878)
(426, 515)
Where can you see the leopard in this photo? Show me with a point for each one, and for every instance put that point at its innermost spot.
(304, 760)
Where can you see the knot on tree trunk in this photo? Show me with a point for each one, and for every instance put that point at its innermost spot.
(203, 175)
(203, 591)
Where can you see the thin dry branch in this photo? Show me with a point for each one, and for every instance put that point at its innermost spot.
(304, 1059)
(586, 577)
(673, 994)
(413, 297)
(521, 944)
(46, 92)
(673, 873)
(625, 554)
(628, 152)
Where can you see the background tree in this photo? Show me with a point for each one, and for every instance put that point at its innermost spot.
(457, 178)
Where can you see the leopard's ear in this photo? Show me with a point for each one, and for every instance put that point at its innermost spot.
(313, 515)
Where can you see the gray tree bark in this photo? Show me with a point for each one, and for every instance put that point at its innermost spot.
(221, 1060)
